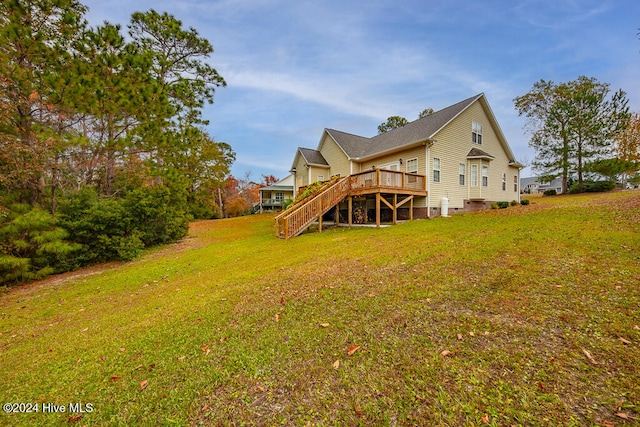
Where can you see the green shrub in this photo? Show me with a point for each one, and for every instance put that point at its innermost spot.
(102, 226)
(503, 205)
(592, 187)
(160, 214)
(550, 192)
(494, 206)
(32, 246)
(524, 202)
(514, 203)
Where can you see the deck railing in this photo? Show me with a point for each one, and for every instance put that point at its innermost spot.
(294, 220)
(387, 179)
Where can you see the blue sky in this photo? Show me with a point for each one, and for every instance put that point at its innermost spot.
(295, 67)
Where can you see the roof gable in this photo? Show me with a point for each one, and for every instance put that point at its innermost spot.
(419, 131)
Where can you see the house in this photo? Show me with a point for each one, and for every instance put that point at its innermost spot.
(454, 160)
(534, 185)
(274, 196)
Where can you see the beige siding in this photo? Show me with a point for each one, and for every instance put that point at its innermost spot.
(452, 145)
(301, 177)
(318, 174)
(418, 153)
(334, 155)
(412, 153)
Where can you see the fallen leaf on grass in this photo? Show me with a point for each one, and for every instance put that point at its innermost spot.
(445, 353)
(260, 388)
(358, 411)
(324, 325)
(122, 349)
(608, 424)
(636, 327)
(590, 357)
(624, 341)
(282, 300)
(144, 384)
(137, 367)
(485, 419)
(181, 358)
(619, 405)
(459, 337)
(539, 384)
(75, 418)
(115, 377)
(623, 415)
(277, 317)
(352, 350)
(336, 364)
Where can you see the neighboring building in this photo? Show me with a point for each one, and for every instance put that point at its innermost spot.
(456, 159)
(276, 195)
(533, 185)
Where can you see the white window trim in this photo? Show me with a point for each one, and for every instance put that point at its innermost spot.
(462, 173)
(407, 166)
(474, 175)
(476, 132)
(438, 169)
(485, 168)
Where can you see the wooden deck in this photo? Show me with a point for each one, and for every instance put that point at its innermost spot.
(298, 217)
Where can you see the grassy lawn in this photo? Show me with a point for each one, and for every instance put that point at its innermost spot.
(524, 316)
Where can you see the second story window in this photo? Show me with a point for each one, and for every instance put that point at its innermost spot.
(436, 169)
(476, 133)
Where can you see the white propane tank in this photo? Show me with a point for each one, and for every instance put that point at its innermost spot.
(445, 207)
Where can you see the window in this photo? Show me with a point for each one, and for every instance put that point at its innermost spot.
(412, 166)
(504, 181)
(461, 172)
(476, 133)
(474, 175)
(436, 169)
(485, 176)
(280, 197)
(320, 178)
(515, 183)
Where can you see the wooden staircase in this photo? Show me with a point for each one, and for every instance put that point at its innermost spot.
(299, 216)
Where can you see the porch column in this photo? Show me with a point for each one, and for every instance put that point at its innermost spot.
(350, 209)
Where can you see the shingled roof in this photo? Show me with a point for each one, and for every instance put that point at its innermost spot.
(313, 157)
(358, 147)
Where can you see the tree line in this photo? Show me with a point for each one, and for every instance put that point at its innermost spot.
(103, 147)
(582, 132)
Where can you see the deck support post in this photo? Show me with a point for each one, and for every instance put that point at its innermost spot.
(411, 209)
(320, 223)
(337, 215)
(395, 209)
(350, 209)
(378, 207)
